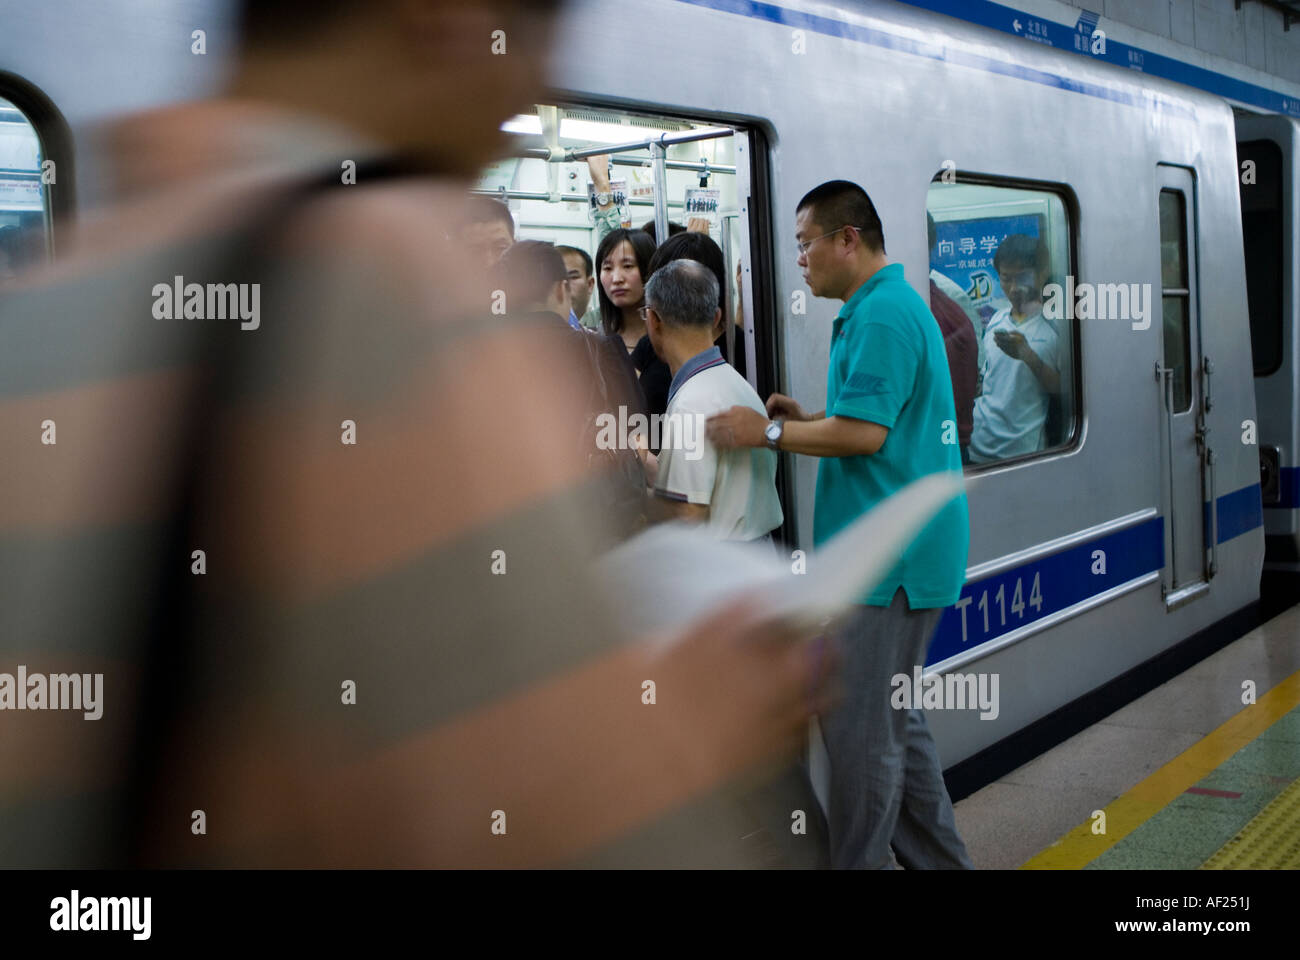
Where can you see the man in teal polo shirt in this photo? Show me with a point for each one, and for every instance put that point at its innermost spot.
(889, 420)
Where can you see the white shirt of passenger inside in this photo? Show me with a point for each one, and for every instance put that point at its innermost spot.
(739, 486)
(1011, 412)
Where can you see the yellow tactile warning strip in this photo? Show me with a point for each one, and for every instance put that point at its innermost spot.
(1269, 842)
(1126, 813)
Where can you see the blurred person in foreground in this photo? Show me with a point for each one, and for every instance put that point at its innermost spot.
(277, 475)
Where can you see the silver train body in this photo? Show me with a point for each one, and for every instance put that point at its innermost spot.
(890, 96)
(885, 95)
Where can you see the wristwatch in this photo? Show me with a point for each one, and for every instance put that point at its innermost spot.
(602, 199)
(773, 433)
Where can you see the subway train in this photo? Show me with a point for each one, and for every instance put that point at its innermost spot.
(1170, 459)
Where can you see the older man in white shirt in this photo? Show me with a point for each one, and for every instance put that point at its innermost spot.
(732, 491)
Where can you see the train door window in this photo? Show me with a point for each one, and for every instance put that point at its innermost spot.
(705, 175)
(1262, 232)
(24, 197)
(1001, 256)
(1175, 294)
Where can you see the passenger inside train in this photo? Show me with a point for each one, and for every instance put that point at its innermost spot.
(961, 343)
(1022, 358)
(732, 492)
(581, 280)
(486, 230)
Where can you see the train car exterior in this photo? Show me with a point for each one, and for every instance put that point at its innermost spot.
(1269, 155)
(1142, 525)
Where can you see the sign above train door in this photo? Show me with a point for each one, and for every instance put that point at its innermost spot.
(1086, 37)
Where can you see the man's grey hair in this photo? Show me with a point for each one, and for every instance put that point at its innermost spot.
(684, 293)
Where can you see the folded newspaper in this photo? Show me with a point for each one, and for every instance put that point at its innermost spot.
(672, 574)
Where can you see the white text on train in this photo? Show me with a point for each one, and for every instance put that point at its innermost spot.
(1017, 603)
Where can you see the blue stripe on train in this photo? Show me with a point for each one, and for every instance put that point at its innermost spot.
(1077, 39)
(1239, 512)
(828, 26)
(1002, 602)
(1074, 39)
(1006, 601)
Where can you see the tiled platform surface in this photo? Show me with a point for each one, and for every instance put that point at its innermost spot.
(1180, 771)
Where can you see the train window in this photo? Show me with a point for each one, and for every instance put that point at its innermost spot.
(1261, 228)
(551, 191)
(24, 197)
(1001, 255)
(1176, 297)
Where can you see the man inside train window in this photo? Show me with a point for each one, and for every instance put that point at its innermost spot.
(1021, 358)
(733, 492)
(888, 396)
(487, 229)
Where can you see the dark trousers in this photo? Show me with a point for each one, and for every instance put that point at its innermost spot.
(886, 783)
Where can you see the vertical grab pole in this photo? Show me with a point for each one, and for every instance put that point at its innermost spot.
(657, 153)
(729, 322)
(1213, 566)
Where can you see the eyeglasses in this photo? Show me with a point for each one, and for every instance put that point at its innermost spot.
(641, 312)
(1025, 278)
(806, 244)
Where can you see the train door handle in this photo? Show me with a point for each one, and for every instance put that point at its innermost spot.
(1164, 377)
(1212, 565)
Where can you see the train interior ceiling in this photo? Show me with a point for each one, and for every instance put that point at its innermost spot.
(545, 180)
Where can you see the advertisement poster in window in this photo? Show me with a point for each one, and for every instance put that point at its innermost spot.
(704, 202)
(964, 251)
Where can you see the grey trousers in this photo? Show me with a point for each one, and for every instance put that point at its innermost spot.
(886, 784)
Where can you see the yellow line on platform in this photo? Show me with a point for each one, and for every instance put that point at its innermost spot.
(1126, 813)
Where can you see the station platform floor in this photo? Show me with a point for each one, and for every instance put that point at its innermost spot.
(1188, 776)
